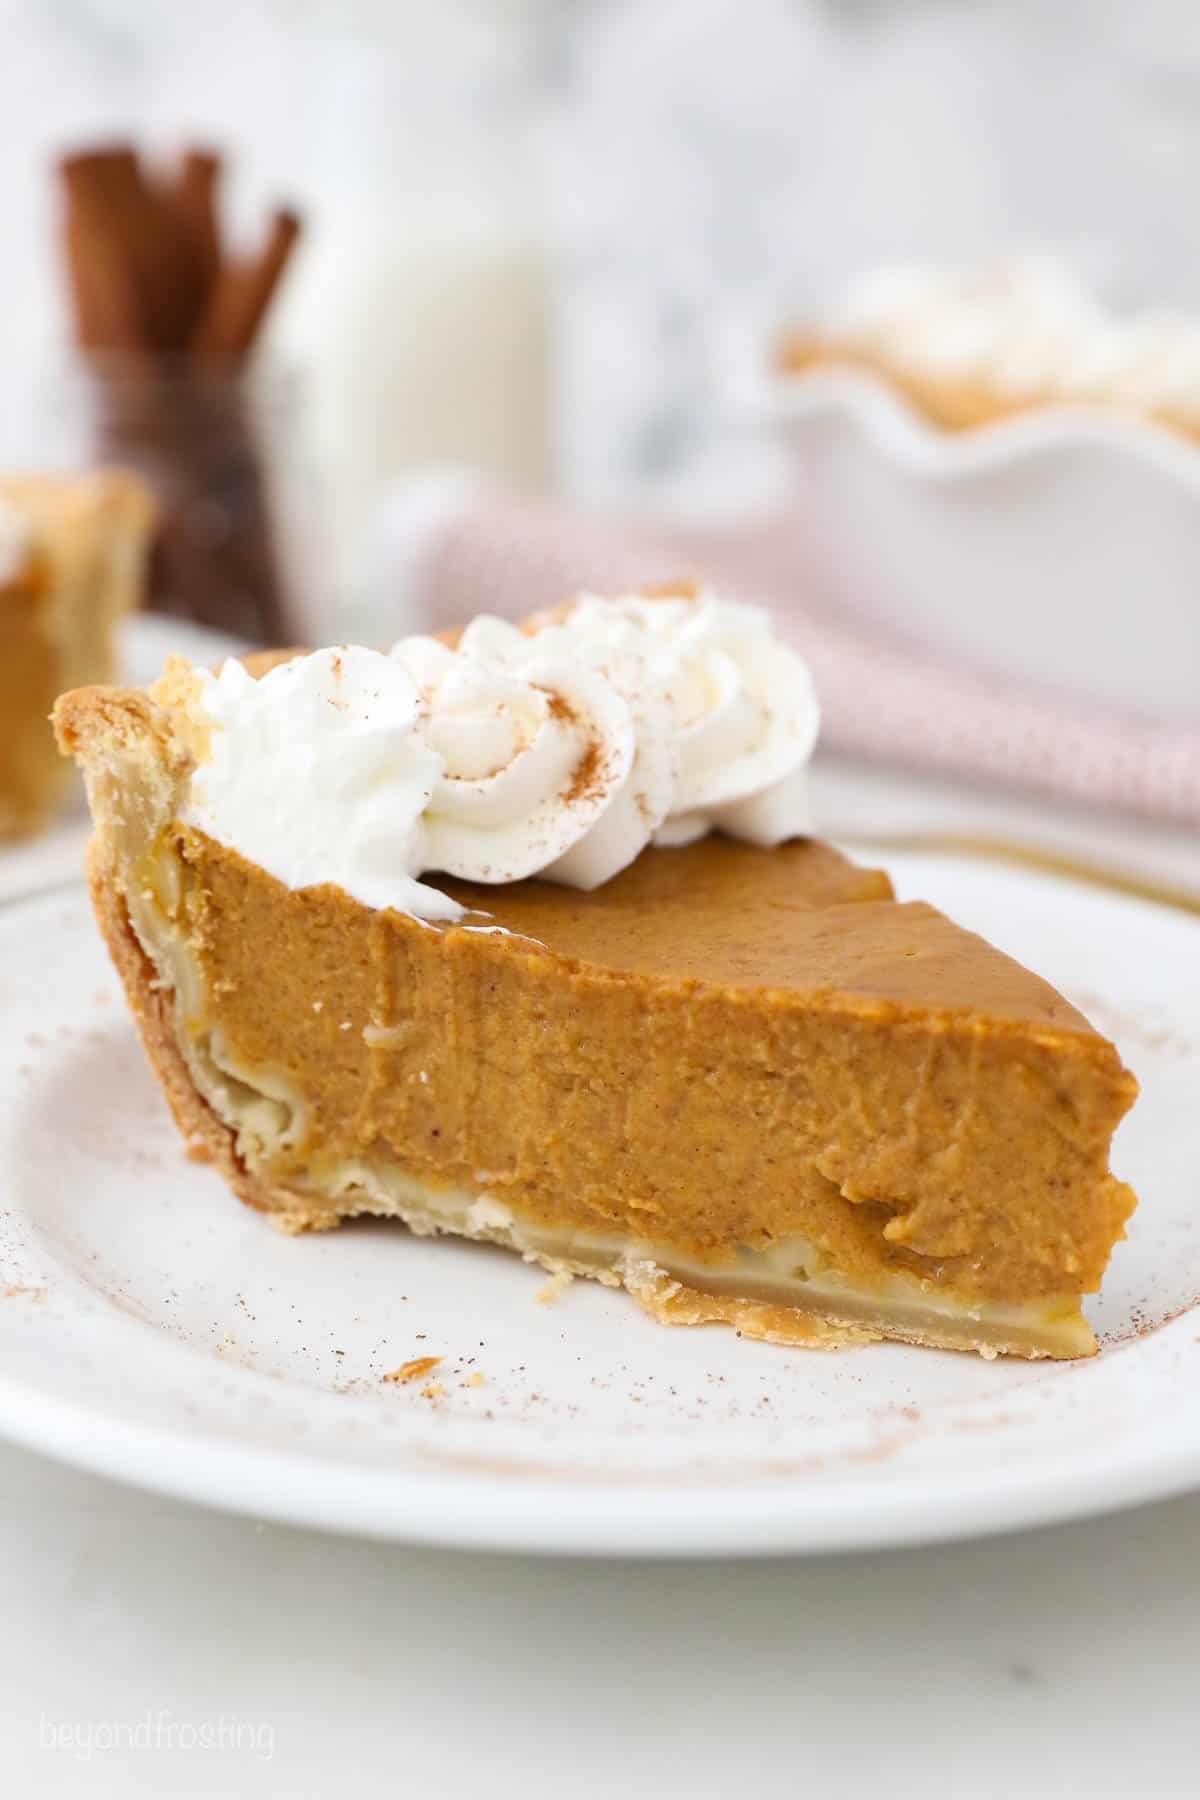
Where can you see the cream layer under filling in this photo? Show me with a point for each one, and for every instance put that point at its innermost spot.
(265, 1113)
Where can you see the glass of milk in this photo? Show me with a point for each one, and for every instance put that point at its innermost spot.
(422, 310)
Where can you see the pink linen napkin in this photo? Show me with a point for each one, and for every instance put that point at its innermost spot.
(882, 698)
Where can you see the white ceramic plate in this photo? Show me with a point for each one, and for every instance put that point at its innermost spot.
(153, 1329)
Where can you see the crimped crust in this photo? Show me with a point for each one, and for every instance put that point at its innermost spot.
(953, 402)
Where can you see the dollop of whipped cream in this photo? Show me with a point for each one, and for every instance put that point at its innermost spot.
(16, 540)
(1028, 326)
(560, 752)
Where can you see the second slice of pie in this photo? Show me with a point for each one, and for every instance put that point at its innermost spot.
(73, 552)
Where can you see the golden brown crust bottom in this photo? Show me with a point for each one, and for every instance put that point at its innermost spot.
(672, 1302)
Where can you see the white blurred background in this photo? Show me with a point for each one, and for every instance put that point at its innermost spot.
(544, 230)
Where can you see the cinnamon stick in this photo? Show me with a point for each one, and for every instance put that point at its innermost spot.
(107, 305)
(194, 196)
(149, 281)
(109, 196)
(243, 292)
(109, 312)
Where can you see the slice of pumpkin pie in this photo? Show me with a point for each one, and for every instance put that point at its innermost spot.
(73, 550)
(519, 937)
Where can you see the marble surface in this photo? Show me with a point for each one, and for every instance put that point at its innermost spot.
(1063, 1661)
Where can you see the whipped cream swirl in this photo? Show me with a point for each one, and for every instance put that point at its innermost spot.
(560, 752)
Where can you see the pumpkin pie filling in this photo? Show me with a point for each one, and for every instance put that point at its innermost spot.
(746, 1084)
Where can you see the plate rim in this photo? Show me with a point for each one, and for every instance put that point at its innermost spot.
(769, 1516)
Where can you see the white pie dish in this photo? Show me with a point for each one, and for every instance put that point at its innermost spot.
(1059, 546)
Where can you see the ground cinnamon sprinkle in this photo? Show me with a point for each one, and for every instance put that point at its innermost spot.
(588, 778)
(409, 1371)
(560, 708)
